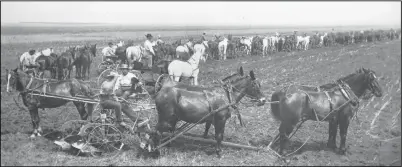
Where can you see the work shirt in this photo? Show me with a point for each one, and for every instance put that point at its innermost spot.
(124, 80)
(203, 38)
(148, 46)
(27, 59)
(108, 51)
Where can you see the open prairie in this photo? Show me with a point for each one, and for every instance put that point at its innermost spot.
(373, 139)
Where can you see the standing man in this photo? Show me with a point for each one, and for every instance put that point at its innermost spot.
(203, 37)
(149, 51)
(159, 40)
(28, 61)
(190, 45)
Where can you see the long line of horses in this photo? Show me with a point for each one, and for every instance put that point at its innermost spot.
(82, 57)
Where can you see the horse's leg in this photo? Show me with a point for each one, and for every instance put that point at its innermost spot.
(344, 121)
(219, 125)
(81, 110)
(284, 131)
(333, 129)
(207, 126)
(33, 111)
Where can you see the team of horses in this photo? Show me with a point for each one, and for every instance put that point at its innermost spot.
(176, 101)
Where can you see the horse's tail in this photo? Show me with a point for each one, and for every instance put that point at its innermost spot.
(276, 98)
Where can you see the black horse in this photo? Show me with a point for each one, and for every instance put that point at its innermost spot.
(65, 63)
(47, 63)
(26, 84)
(335, 106)
(83, 60)
(177, 101)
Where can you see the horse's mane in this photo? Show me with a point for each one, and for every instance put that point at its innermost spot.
(345, 78)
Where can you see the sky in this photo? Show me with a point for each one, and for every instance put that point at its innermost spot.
(205, 13)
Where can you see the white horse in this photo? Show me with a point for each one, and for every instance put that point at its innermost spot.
(222, 46)
(201, 48)
(134, 53)
(178, 68)
(322, 39)
(247, 42)
(265, 45)
(183, 51)
(274, 40)
(303, 41)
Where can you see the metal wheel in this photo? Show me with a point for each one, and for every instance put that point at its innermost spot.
(102, 76)
(105, 138)
(159, 82)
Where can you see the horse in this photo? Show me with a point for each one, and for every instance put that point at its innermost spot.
(231, 49)
(189, 68)
(222, 46)
(256, 45)
(203, 48)
(246, 42)
(213, 49)
(25, 58)
(303, 41)
(178, 101)
(65, 63)
(334, 106)
(133, 54)
(47, 63)
(184, 52)
(83, 59)
(26, 84)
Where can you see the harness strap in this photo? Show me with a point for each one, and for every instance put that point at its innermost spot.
(209, 103)
(329, 101)
(29, 83)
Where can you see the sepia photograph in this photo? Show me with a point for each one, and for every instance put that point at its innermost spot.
(200, 83)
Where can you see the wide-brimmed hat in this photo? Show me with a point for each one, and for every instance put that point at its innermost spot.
(148, 36)
(124, 66)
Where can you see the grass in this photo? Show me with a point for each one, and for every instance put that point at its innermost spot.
(367, 139)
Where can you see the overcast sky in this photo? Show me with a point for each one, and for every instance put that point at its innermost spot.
(206, 13)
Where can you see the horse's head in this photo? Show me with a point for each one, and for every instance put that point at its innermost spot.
(372, 80)
(92, 48)
(246, 86)
(17, 79)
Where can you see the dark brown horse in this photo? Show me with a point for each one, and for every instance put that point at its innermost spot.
(47, 63)
(336, 107)
(83, 60)
(177, 101)
(213, 49)
(26, 84)
(65, 63)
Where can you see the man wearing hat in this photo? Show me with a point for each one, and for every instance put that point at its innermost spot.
(190, 45)
(108, 100)
(109, 52)
(149, 51)
(203, 37)
(159, 40)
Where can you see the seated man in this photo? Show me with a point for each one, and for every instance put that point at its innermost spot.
(109, 53)
(108, 100)
(124, 84)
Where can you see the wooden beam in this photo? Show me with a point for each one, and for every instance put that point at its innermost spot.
(211, 141)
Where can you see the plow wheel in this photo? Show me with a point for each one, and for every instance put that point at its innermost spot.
(159, 82)
(105, 139)
(102, 76)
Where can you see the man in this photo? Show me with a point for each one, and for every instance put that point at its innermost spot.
(190, 46)
(149, 51)
(159, 40)
(109, 52)
(28, 61)
(203, 37)
(108, 97)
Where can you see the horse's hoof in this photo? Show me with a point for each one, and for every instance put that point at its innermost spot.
(342, 151)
